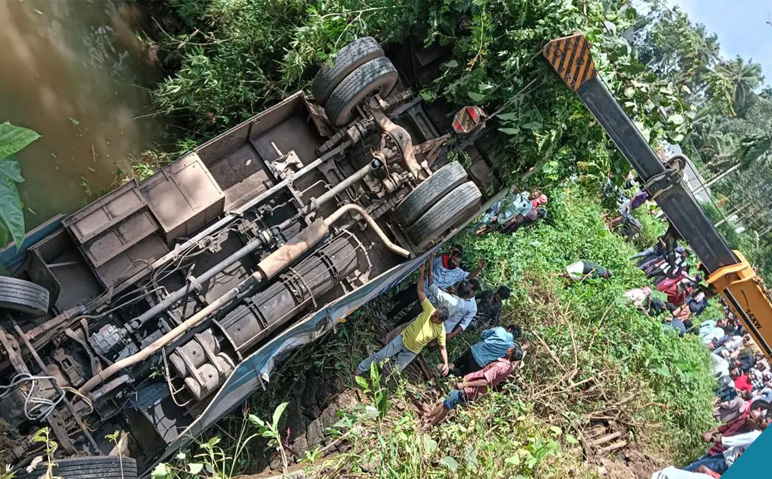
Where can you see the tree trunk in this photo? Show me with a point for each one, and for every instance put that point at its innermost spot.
(717, 178)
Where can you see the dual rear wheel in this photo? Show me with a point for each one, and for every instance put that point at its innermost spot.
(441, 201)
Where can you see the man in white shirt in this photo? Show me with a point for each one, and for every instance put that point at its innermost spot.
(446, 271)
(461, 306)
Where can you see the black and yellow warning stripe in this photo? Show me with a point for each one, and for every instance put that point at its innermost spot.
(571, 59)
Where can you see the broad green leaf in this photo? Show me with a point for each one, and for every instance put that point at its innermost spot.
(11, 169)
(571, 439)
(509, 131)
(428, 95)
(450, 463)
(556, 430)
(11, 216)
(277, 414)
(195, 467)
(450, 64)
(676, 119)
(257, 421)
(532, 125)
(430, 445)
(161, 471)
(362, 382)
(476, 96)
(14, 138)
(370, 411)
(514, 460)
(509, 116)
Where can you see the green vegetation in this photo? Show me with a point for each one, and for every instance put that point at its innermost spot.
(12, 140)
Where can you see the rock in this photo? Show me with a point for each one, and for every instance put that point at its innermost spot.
(369, 463)
(314, 434)
(309, 392)
(295, 420)
(346, 400)
(276, 463)
(323, 393)
(299, 447)
(344, 447)
(329, 416)
(313, 412)
(298, 387)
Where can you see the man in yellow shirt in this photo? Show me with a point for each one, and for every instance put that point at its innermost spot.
(407, 345)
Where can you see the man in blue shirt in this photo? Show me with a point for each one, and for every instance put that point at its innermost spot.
(494, 345)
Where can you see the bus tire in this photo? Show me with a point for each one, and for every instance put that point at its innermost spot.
(376, 76)
(348, 59)
(456, 206)
(431, 190)
(23, 296)
(101, 467)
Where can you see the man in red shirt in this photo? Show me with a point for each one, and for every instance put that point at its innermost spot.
(475, 385)
(741, 381)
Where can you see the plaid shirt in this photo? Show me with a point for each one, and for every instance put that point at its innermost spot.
(756, 378)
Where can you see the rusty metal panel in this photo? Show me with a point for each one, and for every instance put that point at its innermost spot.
(118, 239)
(105, 212)
(132, 260)
(183, 196)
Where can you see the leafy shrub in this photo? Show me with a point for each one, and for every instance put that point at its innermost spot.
(12, 140)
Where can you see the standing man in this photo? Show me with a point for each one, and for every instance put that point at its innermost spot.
(474, 385)
(494, 345)
(407, 345)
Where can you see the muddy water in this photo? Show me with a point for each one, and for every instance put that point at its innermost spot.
(74, 71)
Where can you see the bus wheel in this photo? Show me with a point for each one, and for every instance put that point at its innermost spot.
(348, 59)
(89, 467)
(426, 195)
(454, 208)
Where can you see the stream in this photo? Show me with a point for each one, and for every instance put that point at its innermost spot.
(75, 72)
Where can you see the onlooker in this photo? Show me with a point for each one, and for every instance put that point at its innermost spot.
(582, 270)
(730, 410)
(715, 460)
(495, 343)
(461, 306)
(627, 207)
(446, 271)
(489, 306)
(407, 345)
(741, 382)
(475, 385)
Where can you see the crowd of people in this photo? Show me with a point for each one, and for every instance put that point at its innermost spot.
(444, 301)
(744, 391)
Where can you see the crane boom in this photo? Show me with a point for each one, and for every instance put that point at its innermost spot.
(730, 274)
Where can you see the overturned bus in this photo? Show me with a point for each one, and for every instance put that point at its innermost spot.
(162, 305)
